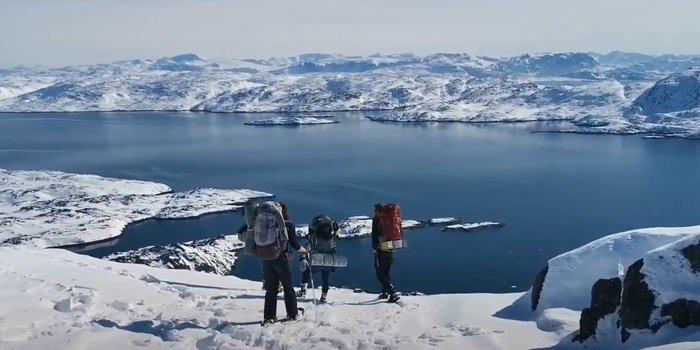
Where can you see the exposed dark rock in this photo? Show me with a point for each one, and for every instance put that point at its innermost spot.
(537, 288)
(692, 253)
(637, 300)
(605, 299)
(683, 312)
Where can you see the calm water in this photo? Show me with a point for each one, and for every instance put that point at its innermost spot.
(553, 191)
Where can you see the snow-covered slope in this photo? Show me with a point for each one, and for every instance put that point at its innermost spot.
(633, 289)
(54, 299)
(670, 108)
(51, 208)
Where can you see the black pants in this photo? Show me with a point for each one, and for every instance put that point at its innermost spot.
(325, 277)
(276, 272)
(382, 265)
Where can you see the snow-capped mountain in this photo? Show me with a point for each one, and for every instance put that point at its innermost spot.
(599, 93)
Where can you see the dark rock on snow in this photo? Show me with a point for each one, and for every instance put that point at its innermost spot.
(537, 288)
(605, 299)
(633, 299)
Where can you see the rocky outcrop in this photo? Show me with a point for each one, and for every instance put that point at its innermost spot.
(637, 299)
(605, 299)
(537, 288)
(648, 298)
(213, 255)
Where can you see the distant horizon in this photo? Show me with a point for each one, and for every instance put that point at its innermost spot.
(206, 57)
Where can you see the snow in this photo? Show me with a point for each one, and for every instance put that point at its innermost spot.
(213, 255)
(614, 93)
(571, 275)
(667, 261)
(473, 226)
(291, 121)
(55, 299)
(51, 208)
(59, 300)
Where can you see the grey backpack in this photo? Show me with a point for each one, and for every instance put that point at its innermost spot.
(270, 234)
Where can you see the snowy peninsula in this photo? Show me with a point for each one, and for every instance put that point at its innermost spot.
(52, 208)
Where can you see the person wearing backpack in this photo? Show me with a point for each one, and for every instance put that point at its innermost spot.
(242, 232)
(274, 237)
(387, 236)
(323, 232)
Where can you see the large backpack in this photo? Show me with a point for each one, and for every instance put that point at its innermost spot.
(322, 234)
(390, 236)
(269, 231)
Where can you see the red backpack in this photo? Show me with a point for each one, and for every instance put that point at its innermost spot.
(389, 222)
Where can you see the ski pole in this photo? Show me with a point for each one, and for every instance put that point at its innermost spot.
(313, 289)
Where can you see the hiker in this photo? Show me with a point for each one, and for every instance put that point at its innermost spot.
(241, 236)
(386, 235)
(273, 236)
(323, 232)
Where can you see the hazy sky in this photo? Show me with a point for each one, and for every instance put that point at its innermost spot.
(61, 32)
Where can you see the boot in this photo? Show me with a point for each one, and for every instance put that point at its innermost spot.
(268, 321)
(302, 291)
(323, 298)
(394, 297)
(383, 295)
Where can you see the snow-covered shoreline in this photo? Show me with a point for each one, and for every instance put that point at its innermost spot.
(77, 211)
(219, 254)
(51, 208)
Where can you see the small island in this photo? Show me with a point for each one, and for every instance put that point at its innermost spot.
(291, 121)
